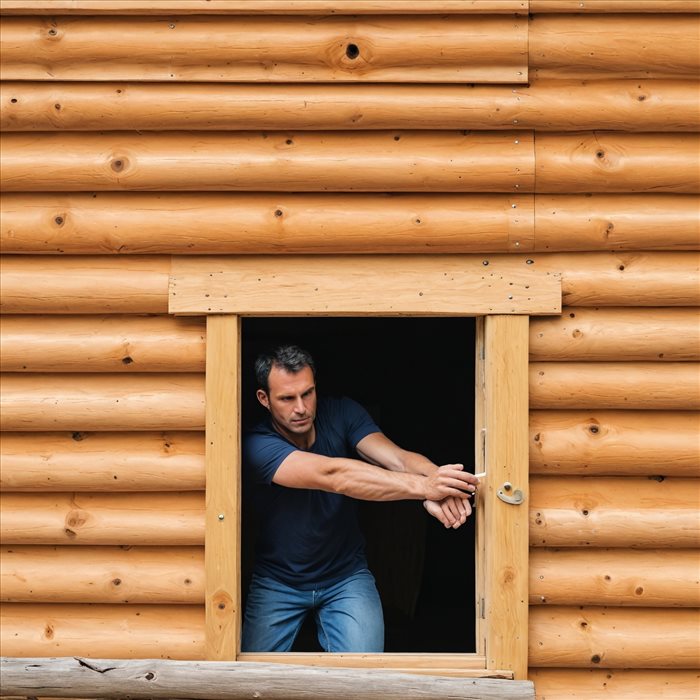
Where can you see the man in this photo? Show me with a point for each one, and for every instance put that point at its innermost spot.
(302, 465)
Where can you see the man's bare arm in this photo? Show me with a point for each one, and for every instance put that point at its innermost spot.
(358, 479)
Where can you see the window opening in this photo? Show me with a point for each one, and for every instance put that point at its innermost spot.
(415, 376)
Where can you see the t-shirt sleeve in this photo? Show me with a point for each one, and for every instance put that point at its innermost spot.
(358, 423)
(262, 455)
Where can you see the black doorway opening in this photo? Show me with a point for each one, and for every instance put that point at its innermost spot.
(415, 376)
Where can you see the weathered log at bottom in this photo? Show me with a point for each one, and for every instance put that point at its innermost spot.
(99, 678)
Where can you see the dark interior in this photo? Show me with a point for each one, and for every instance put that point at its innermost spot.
(415, 376)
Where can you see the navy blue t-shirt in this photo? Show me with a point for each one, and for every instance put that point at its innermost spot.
(307, 538)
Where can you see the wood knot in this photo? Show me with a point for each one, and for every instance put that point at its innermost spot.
(595, 658)
(352, 51)
(76, 519)
(48, 632)
(119, 164)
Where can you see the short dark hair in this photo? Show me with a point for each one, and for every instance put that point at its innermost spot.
(291, 358)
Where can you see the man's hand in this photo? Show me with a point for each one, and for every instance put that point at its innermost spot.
(451, 512)
(450, 480)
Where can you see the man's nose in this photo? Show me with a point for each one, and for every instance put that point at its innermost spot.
(299, 405)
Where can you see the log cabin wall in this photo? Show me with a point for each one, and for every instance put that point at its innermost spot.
(562, 132)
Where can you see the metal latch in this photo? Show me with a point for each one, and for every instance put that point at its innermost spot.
(507, 495)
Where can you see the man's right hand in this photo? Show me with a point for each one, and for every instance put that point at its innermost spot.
(449, 480)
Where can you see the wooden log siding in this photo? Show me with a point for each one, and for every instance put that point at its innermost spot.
(134, 575)
(615, 443)
(614, 46)
(163, 519)
(113, 631)
(249, 223)
(589, 637)
(556, 105)
(613, 512)
(41, 402)
(83, 461)
(275, 223)
(615, 385)
(615, 334)
(443, 48)
(88, 284)
(622, 684)
(107, 284)
(247, 161)
(613, 577)
(117, 343)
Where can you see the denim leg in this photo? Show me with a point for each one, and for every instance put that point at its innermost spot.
(273, 616)
(349, 615)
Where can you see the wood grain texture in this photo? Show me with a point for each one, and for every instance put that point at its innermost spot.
(171, 519)
(109, 462)
(291, 7)
(85, 402)
(615, 6)
(608, 161)
(506, 554)
(375, 161)
(638, 578)
(258, 223)
(623, 684)
(615, 385)
(239, 681)
(560, 105)
(223, 492)
(622, 443)
(351, 285)
(655, 46)
(99, 631)
(593, 637)
(615, 222)
(275, 48)
(134, 575)
(84, 284)
(617, 334)
(636, 513)
(118, 343)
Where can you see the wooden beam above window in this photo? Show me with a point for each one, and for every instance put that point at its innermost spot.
(372, 285)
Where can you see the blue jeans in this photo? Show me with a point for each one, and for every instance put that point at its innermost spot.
(348, 615)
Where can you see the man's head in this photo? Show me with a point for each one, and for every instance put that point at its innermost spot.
(286, 379)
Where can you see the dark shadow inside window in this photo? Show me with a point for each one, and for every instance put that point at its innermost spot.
(415, 376)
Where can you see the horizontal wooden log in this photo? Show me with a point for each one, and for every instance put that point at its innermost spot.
(106, 631)
(648, 578)
(613, 637)
(116, 222)
(616, 385)
(136, 575)
(102, 344)
(171, 519)
(444, 48)
(235, 223)
(40, 402)
(414, 161)
(622, 684)
(365, 285)
(560, 105)
(613, 222)
(296, 7)
(617, 162)
(625, 279)
(236, 681)
(617, 334)
(613, 512)
(621, 46)
(81, 461)
(624, 443)
(87, 284)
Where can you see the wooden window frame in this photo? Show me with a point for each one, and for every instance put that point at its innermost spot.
(223, 289)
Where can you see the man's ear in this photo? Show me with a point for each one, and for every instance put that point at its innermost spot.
(263, 398)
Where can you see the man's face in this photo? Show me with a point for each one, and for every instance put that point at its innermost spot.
(291, 400)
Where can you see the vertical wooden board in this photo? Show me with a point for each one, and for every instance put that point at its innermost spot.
(506, 524)
(222, 537)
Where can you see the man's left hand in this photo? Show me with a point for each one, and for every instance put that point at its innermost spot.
(451, 511)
